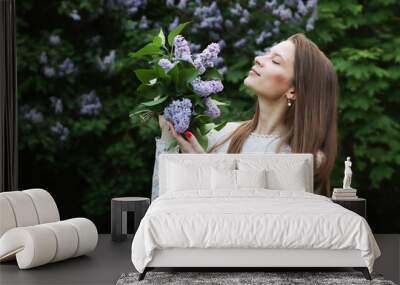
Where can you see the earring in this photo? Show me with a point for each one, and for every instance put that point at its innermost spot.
(289, 103)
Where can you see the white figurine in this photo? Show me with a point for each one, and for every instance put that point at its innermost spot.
(347, 174)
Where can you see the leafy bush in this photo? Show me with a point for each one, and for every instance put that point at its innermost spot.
(76, 88)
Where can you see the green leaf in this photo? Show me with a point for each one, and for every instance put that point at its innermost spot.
(145, 75)
(159, 40)
(175, 32)
(155, 102)
(219, 103)
(212, 74)
(150, 48)
(188, 74)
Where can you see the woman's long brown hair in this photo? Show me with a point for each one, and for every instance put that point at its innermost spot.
(311, 120)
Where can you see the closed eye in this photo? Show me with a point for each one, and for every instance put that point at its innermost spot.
(275, 62)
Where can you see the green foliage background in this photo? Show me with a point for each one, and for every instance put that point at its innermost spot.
(107, 156)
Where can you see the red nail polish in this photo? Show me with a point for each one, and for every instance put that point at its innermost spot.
(188, 134)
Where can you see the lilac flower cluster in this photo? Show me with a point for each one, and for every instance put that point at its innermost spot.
(212, 108)
(49, 72)
(182, 49)
(207, 57)
(144, 23)
(178, 113)
(131, 6)
(66, 67)
(107, 63)
(32, 114)
(75, 15)
(181, 5)
(209, 17)
(166, 64)
(262, 37)
(241, 12)
(57, 104)
(90, 103)
(61, 131)
(174, 24)
(43, 57)
(292, 11)
(204, 88)
(54, 40)
(240, 43)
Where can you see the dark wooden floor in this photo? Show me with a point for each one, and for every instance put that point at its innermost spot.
(111, 259)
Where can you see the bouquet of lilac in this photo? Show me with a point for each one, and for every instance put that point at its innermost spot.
(179, 85)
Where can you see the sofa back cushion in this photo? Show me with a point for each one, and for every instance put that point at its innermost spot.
(283, 171)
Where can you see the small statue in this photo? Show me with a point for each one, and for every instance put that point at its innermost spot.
(347, 174)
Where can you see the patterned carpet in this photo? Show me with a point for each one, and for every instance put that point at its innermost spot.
(230, 278)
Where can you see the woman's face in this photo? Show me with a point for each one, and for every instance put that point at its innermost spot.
(274, 71)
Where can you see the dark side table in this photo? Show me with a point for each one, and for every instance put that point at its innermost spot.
(119, 208)
(358, 205)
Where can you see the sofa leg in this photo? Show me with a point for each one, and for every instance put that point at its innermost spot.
(143, 274)
(364, 271)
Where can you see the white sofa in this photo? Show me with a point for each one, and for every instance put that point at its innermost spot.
(31, 231)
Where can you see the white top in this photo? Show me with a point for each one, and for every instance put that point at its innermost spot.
(255, 143)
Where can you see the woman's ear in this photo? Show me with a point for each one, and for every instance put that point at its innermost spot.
(291, 94)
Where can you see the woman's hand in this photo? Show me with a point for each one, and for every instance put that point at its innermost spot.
(191, 145)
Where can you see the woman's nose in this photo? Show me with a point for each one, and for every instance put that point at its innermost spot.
(258, 61)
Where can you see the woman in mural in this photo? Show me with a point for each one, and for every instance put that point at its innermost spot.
(296, 87)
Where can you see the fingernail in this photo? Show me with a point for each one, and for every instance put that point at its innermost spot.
(188, 134)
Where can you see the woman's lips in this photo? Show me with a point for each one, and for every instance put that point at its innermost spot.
(255, 72)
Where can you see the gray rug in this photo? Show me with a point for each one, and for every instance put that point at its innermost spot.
(229, 278)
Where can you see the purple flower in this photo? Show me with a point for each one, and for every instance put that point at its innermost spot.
(182, 50)
(182, 4)
(209, 55)
(90, 103)
(206, 87)
(311, 21)
(74, 15)
(240, 43)
(223, 70)
(252, 3)
(56, 104)
(194, 47)
(107, 62)
(144, 23)
(54, 40)
(60, 130)
(174, 24)
(301, 8)
(43, 57)
(261, 38)
(131, 6)
(166, 64)
(178, 113)
(66, 67)
(49, 71)
(32, 115)
(222, 43)
(212, 108)
(210, 16)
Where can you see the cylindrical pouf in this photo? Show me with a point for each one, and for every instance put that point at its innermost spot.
(45, 205)
(87, 234)
(33, 245)
(23, 208)
(67, 239)
(7, 218)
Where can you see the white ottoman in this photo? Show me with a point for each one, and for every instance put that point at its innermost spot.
(31, 232)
